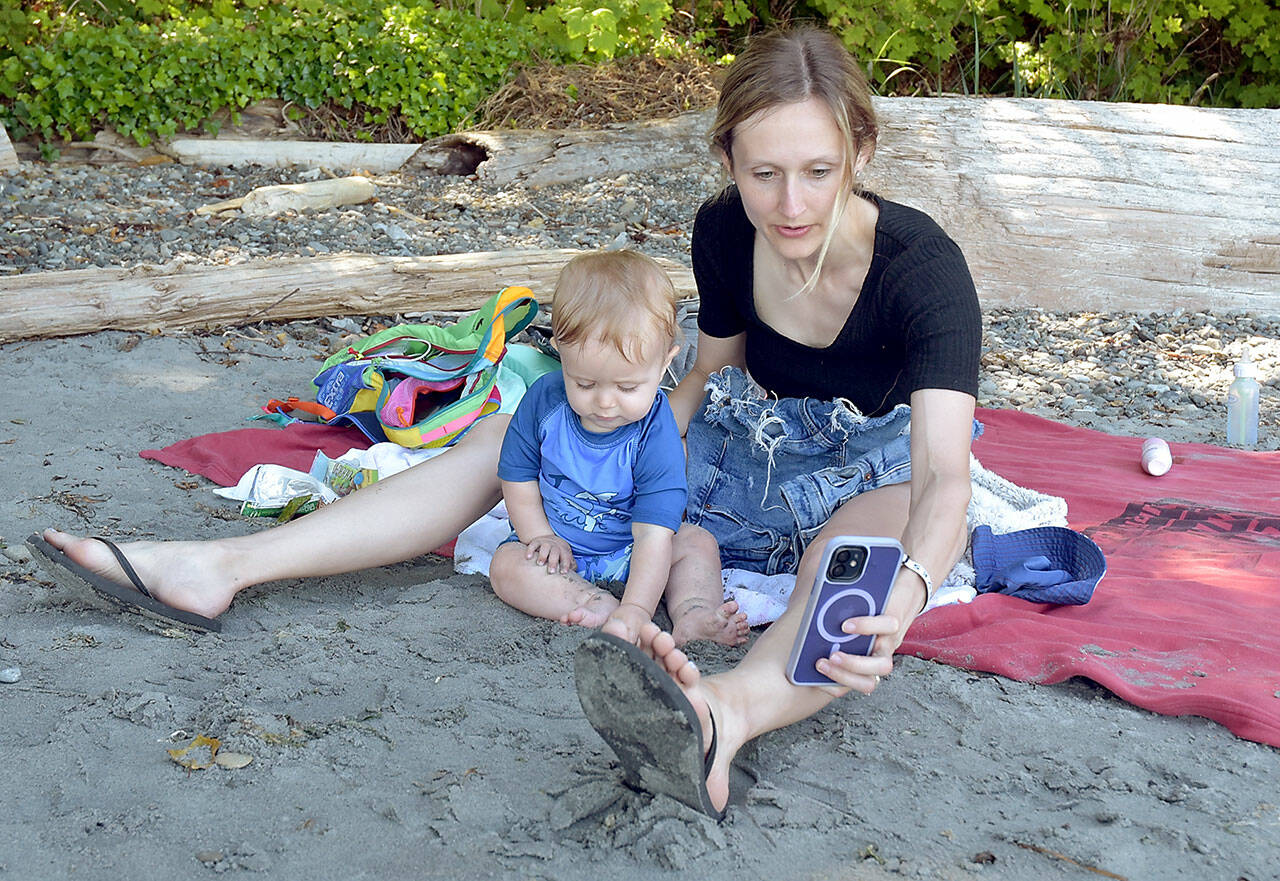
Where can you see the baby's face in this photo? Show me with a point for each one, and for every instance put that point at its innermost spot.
(605, 389)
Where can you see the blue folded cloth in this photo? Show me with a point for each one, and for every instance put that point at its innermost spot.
(1048, 564)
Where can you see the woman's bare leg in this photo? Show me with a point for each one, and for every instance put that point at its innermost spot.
(406, 515)
(756, 697)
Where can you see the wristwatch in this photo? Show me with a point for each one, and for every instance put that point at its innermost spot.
(914, 566)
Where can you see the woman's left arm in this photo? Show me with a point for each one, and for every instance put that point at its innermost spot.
(936, 530)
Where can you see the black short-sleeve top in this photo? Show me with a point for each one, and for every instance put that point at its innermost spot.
(915, 325)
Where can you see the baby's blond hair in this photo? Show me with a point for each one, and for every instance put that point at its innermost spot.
(622, 298)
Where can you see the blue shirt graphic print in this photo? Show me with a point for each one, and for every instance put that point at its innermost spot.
(595, 485)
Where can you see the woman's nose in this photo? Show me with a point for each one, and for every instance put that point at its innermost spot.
(792, 203)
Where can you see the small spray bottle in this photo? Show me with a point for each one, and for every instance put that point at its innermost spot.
(1242, 403)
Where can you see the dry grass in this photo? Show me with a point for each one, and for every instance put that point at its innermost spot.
(540, 96)
(332, 122)
(547, 95)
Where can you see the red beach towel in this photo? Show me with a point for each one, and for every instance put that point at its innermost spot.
(1187, 619)
(224, 456)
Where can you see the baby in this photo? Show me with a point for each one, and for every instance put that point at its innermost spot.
(593, 469)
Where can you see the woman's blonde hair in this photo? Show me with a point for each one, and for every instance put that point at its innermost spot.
(788, 67)
(621, 298)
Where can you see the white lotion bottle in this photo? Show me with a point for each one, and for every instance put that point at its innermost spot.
(1242, 403)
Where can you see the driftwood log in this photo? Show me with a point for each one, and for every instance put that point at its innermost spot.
(1082, 205)
(277, 153)
(8, 157)
(543, 158)
(193, 296)
(314, 195)
(1057, 205)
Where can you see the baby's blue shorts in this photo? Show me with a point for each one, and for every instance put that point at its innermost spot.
(597, 568)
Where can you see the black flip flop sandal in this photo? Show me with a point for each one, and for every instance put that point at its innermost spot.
(71, 574)
(646, 719)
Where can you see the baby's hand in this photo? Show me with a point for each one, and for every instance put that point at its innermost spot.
(551, 551)
(626, 622)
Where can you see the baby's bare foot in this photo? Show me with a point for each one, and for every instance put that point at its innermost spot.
(593, 612)
(696, 620)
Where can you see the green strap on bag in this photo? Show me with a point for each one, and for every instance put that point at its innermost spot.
(423, 385)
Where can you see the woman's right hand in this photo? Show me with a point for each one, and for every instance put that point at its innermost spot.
(861, 672)
(551, 551)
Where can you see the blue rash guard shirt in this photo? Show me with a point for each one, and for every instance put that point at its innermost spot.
(594, 486)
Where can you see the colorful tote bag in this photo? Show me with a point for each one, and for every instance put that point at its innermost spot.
(421, 385)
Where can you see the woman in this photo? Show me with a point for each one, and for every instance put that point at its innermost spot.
(820, 291)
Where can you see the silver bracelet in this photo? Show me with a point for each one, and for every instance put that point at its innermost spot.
(908, 563)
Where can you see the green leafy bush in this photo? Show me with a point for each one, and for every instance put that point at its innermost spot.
(1173, 51)
(601, 29)
(1221, 52)
(152, 67)
(152, 70)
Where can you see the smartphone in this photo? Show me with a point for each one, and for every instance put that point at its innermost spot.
(853, 581)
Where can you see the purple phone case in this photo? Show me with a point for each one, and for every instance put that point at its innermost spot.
(831, 602)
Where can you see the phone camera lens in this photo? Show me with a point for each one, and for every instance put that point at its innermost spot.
(842, 555)
(838, 570)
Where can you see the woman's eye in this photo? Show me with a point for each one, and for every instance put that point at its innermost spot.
(764, 175)
(820, 173)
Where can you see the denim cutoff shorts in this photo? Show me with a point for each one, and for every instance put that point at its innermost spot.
(766, 473)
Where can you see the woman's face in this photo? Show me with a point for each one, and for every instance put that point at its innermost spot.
(788, 162)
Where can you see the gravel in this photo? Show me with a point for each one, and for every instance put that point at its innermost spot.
(71, 217)
(1134, 374)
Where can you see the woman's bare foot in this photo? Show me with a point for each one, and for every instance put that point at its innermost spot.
(695, 619)
(185, 575)
(661, 646)
(593, 612)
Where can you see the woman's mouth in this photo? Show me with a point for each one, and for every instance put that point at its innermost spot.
(793, 232)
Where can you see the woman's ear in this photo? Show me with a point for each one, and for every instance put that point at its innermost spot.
(865, 152)
(725, 160)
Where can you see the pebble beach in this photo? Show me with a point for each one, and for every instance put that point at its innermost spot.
(1135, 374)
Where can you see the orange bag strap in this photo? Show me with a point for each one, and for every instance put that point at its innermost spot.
(315, 409)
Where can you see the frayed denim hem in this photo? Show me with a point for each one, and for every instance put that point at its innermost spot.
(767, 473)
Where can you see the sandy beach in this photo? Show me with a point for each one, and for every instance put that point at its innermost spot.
(403, 722)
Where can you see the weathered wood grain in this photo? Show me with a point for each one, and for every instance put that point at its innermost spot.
(143, 298)
(1056, 204)
(1083, 205)
(8, 158)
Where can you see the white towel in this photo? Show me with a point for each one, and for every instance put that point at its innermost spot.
(996, 502)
